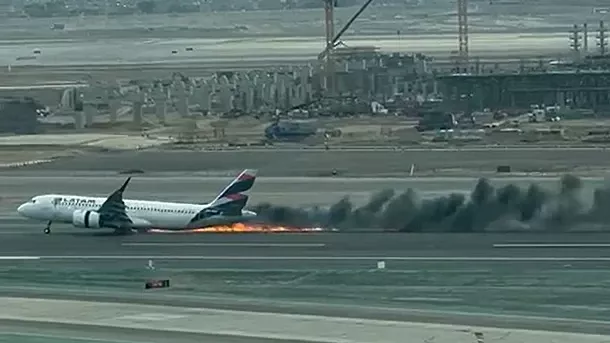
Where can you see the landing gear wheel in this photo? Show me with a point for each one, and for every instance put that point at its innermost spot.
(47, 231)
(124, 232)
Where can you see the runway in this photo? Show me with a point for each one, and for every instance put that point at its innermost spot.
(335, 269)
(316, 249)
(494, 279)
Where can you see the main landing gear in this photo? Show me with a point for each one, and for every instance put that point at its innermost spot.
(124, 232)
(47, 230)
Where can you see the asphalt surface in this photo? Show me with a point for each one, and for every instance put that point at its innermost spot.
(37, 332)
(289, 191)
(355, 162)
(494, 279)
(318, 249)
(461, 279)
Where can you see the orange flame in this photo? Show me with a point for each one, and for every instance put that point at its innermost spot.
(241, 228)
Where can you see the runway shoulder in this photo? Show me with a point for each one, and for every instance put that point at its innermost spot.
(259, 325)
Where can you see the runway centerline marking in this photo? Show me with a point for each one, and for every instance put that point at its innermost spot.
(552, 245)
(324, 258)
(242, 245)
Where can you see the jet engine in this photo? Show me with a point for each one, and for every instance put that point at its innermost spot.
(86, 219)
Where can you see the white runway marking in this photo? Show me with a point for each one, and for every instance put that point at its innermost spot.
(12, 258)
(244, 245)
(150, 317)
(324, 258)
(552, 245)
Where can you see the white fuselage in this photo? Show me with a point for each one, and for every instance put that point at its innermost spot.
(145, 214)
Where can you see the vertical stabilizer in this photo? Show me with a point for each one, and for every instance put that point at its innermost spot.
(242, 183)
(230, 201)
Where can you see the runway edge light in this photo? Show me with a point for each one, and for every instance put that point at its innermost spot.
(150, 265)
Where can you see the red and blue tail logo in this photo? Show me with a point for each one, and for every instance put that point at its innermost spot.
(242, 183)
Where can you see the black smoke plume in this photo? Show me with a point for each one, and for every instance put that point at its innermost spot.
(486, 208)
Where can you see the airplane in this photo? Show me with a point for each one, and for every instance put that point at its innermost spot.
(128, 216)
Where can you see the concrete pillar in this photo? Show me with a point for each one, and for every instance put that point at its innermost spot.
(226, 99)
(68, 99)
(256, 91)
(89, 106)
(226, 96)
(247, 90)
(297, 95)
(161, 109)
(114, 102)
(114, 106)
(89, 111)
(267, 91)
(280, 98)
(183, 101)
(79, 120)
(160, 104)
(205, 93)
(137, 109)
(306, 83)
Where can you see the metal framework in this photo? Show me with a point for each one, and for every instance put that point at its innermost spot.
(462, 13)
(602, 39)
(329, 21)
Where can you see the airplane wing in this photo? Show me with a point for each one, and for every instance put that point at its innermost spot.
(113, 211)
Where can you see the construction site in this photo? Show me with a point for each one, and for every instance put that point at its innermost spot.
(349, 94)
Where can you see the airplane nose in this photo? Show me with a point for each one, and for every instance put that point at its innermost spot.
(21, 209)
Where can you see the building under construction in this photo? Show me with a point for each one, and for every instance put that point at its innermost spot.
(578, 89)
(367, 74)
(581, 82)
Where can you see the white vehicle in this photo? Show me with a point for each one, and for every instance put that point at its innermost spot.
(127, 216)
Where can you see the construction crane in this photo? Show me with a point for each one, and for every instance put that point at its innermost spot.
(462, 14)
(332, 39)
(329, 23)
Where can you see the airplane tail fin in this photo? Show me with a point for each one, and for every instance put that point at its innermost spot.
(242, 183)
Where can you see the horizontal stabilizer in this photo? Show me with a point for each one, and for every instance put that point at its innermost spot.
(231, 205)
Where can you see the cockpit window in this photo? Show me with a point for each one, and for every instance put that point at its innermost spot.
(33, 201)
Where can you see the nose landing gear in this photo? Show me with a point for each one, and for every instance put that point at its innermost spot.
(47, 230)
